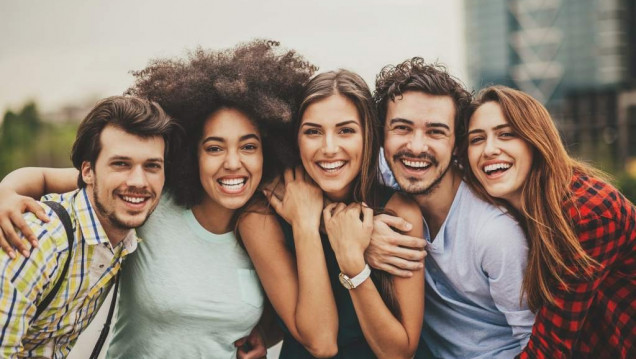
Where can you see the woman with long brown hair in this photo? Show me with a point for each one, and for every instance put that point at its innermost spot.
(581, 274)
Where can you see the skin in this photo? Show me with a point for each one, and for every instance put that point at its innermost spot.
(500, 160)
(330, 143)
(419, 143)
(300, 289)
(230, 148)
(125, 182)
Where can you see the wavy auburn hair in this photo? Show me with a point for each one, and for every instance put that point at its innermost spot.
(554, 249)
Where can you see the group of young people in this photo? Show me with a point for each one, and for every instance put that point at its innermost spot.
(308, 198)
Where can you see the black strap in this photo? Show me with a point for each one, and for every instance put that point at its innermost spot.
(68, 227)
(104, 334)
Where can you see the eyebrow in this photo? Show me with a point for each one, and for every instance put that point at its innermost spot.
(126, 158)
(498, 127)
(242, 138)
(409, 122)
(339, 124)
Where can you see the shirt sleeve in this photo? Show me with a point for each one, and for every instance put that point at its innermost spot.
(558, 324)
(22, 283)
(503, 260)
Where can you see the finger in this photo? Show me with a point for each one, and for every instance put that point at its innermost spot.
(338, 208)
(240, 342)
(20, 223)
(407, 241)
(274, 201)
(367, 217)
(6, 247)
(395, 222)
(13, 238)
(403, 264)
(409, 254)
(327, 212)
(32, 206)
(395, 271)
(289, 175)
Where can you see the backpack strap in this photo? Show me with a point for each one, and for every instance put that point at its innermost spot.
(68, 227)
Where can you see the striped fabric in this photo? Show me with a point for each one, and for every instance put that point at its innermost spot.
(26, 281)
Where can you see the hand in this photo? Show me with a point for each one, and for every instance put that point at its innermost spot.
(302, 201)
(349, 230)
(251, 346)
(12, 206)
(393, 252)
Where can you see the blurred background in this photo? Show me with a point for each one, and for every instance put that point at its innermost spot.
(577, 56)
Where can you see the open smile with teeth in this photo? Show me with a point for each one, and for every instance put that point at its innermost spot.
(415, 165)
(232, 183)
(496, 167)
(133, 200)
(331, 166)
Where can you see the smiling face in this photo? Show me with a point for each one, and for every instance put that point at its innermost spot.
(330, 140)
(500, 160)
(126, 180)
(230, 158)
(419, 140)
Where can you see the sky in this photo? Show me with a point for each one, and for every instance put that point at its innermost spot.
(69, 52)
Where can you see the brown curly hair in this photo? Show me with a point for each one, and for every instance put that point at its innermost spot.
(416, 75)
(256, 78)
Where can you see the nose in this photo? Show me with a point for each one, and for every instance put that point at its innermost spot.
(491, 148)
(232, 161)
(137, 177)
(330, 145)
(417, 143)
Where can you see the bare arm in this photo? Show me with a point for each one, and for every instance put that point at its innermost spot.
(388, 336)
(17, 192)
(298, 287)
(393, 252)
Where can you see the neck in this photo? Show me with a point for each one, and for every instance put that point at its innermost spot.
(213, 217)
(436, 205)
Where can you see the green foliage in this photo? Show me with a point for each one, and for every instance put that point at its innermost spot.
(25, 140)
(627, 185)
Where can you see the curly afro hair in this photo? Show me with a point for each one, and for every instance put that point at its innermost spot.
(416, 75)
(256, 78)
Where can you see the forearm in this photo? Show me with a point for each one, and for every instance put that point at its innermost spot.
(316, 315)
(385, 334)
(36, 181)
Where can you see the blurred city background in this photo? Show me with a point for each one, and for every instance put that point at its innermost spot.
(576, 56)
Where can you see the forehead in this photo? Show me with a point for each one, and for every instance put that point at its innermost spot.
(228, 123)
(421, 108)
(331, 111)
(115, 142)
(487, 115)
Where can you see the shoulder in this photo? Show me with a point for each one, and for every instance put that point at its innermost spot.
(593, 197)
(403, 206)
(253, 225)
(52, 236)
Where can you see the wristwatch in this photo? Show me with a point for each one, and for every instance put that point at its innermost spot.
(351, 283)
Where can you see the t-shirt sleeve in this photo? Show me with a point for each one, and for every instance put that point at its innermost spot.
(504, 256)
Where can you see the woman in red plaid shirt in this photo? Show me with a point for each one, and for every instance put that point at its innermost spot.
(581, 274)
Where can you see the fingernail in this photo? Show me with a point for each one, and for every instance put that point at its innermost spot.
(25, 253)
(11, 255)
(408, 226)
(34, 243)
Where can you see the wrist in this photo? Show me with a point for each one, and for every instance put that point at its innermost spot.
(351, 264)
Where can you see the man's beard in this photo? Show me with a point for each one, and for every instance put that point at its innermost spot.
(431, 187)
(111, 216)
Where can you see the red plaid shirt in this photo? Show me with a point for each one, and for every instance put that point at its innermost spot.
(596, 318)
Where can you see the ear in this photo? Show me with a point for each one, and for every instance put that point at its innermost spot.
(87, 173)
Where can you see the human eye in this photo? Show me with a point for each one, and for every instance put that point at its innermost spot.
(508, 134)
(250, 147)
(119, 164)
(475, 140)
(155, 166)
(401, 129)
(437, 132)
(311, 132)
(347, 130)
(213, 149)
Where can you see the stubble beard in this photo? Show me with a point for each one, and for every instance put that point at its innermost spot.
(408, 188)
(112, 216)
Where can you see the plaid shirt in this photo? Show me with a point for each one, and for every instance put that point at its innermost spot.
(597, 318)
(27, 281)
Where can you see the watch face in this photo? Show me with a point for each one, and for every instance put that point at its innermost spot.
(345, 281)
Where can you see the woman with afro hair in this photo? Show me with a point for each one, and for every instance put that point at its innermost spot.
(190, 290)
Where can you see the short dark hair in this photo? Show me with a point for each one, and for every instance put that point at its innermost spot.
(134, 115)
(257, 78)
(416, 75)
